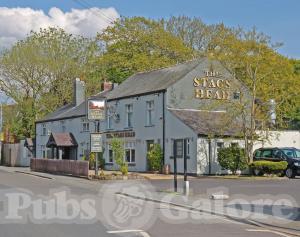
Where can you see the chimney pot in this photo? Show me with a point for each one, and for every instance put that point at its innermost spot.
(107, 86)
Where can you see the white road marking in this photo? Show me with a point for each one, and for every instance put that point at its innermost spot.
(143, 233)
(269, 231)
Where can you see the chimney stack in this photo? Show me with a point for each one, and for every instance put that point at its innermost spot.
(106, 86)
(79, 92)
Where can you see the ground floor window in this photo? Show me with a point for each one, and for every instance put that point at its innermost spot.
(220, 145)
(130, 152)
(130, 155)
(188, 147)
(179, 148)
(43, 151)
(110, 156)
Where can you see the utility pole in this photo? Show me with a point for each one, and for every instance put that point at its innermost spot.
(186, 184)
(97, 128)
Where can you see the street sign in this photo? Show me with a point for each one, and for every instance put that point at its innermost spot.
(96, 142)
(96, 109)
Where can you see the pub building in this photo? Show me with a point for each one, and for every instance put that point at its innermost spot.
(189, 106)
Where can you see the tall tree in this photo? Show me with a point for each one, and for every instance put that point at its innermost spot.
(192, 31)
(138, 44)
(37, 72)
(250, 56)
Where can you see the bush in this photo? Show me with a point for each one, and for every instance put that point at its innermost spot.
(232, 158)
(92, 160)
(155, 156)
(269, 167)
(101, 161)
(118, 151)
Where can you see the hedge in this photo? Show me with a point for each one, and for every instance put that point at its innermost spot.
(269, 167)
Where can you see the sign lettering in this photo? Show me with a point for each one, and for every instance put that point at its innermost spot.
(211, 86)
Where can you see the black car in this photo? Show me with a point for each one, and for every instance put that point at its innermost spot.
(289, 154)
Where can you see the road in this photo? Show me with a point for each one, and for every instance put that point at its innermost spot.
(155, 221)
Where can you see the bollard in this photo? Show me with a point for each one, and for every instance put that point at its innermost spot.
(186, 188)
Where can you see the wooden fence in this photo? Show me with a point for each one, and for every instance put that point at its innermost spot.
(68, 167)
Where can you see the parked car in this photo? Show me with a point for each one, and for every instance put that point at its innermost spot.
(289, 154)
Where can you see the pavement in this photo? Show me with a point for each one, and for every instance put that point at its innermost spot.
(139, 215)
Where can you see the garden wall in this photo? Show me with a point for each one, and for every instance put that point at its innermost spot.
(68, 167)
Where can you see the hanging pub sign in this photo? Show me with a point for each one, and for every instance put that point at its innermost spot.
(96, 142)
(96, 109)
(212, 86)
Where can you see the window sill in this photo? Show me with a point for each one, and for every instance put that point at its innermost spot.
(128, 128)
(149, 126)
(131, 164)
(109, 163)
(179, 157)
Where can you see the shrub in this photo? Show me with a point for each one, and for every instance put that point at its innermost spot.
(92, 160)
(232, 158)
(269, 167)
(118, 151)
(101, 161)
(155, 156)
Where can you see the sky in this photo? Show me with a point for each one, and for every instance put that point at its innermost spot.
(280, 19)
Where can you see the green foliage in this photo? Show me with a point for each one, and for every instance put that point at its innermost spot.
(101, 161)
(117, 147)
(269, 167)
(155, 156)
(92, 160)
(232, 158)
(43, 65)
(137, 44)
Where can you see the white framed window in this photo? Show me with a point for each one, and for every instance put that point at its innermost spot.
(43, 151)
(130, 152)
(110, 156)
(44, 130)
(149, 112)
(130, 155)
(188, 142)
(179, 148)
(85, 125)
(109, 120)
(129, 115)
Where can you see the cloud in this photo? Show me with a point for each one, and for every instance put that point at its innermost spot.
(16, 23)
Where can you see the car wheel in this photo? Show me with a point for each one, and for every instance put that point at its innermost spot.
(290, 173)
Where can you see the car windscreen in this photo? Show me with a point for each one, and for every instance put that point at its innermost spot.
(292, 153)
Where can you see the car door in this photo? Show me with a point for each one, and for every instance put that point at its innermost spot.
(278, 155)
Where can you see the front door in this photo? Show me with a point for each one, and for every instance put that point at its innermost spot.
(66, 153)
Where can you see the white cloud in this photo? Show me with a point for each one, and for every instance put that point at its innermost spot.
(16, 23)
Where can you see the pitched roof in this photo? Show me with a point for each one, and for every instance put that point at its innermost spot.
(152, 81)
(70, 111)
(205, 123)
(61, 140)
